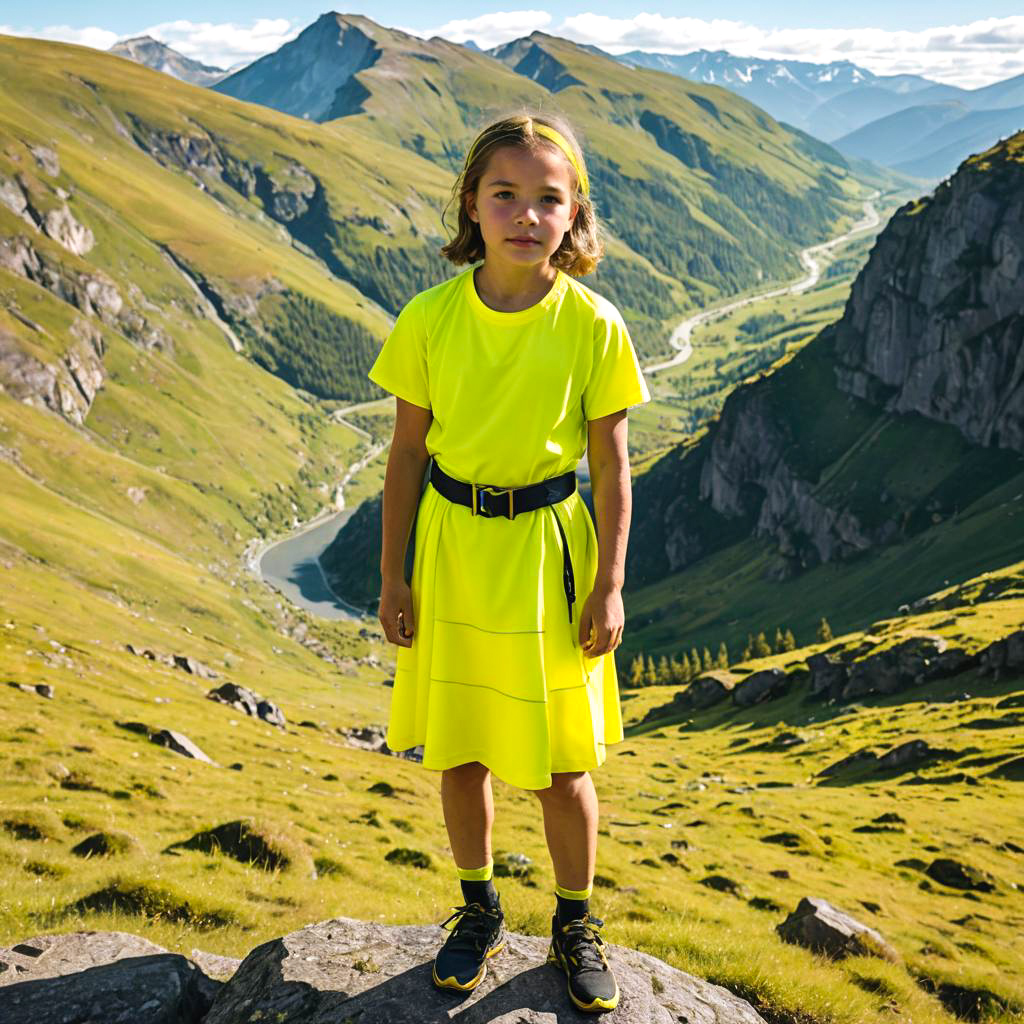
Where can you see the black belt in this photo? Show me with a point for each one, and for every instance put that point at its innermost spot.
(489, 501)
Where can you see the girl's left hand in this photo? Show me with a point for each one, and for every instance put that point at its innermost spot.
(601, 621)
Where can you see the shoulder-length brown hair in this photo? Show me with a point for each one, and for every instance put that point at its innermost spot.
(581, 248)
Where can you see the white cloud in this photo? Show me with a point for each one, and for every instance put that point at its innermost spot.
(967, 55)
(98, 38)
(221, 44)
(487, 30)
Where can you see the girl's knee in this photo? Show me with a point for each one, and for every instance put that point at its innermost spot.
(563, 784)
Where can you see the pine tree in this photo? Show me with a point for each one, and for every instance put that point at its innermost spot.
(824, 630)
(688, 673)
(790, 641)
(780, 643)
(723, 655)
(675, 669)
(636, 671)
(695, 661)
(748, 651)
(650, 672)
(761, 646)
(708, 661)
(663, 672)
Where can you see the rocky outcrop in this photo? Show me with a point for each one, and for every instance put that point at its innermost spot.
(333, 971)
(935, 321)
(934, 327)
(68, 386)
(100, 976)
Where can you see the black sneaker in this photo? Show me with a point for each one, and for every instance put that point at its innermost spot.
(578, 949)
(478, 934)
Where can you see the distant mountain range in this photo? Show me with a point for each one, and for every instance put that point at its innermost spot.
(906, 122)
(160, 57)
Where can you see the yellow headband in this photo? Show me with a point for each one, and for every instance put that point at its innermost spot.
(559, 140)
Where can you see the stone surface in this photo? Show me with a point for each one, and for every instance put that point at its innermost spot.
(819, 926)
(100, 978)
(344, 969)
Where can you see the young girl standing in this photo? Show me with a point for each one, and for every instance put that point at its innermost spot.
(505, 375)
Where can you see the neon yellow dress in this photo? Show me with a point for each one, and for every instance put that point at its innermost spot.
(495, 672)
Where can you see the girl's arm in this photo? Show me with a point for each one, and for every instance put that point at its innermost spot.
(403, 482)
(608, 457)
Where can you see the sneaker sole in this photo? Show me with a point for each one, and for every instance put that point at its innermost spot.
(599, 1005)
(452, 983)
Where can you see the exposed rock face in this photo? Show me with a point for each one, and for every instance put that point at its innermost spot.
(68, 386)
(100, 976)
(935, 321)
(934, 326)
(333, 971)
(344, 969)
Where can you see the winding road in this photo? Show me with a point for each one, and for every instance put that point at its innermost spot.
(291, 564)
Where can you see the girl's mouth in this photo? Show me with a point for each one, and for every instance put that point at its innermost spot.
(524, 242)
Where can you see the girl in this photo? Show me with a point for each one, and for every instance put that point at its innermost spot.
(504, 376)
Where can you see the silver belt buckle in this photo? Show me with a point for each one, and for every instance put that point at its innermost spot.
(475, 508)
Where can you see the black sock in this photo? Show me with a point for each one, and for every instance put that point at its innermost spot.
(480, 892)
(570, 910)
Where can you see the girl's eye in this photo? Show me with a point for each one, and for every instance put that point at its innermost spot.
(503, 192)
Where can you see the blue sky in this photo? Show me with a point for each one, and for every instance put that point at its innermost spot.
(946, 40)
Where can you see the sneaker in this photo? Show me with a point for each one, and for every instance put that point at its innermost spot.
(578, 949)
(478, 934)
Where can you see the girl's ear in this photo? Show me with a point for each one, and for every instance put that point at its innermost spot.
(575, 210)
(471, 207)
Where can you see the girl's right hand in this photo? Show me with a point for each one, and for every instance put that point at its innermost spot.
(396, 614)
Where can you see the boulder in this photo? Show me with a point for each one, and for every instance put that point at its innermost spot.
(179, 743)
(100, 976)
(238, 697)
(193, 666)
(373, 737)
(344, 969)
(819, 926)
(758, 686)
(828, 675)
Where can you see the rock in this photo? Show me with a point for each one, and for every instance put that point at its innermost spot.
(958, 875)
(710, 688)
(67, 386)
(193, 666)
(858, 759)
(372, 737)
(13, 196)
(44, 690)
(238, 697)
(100, 977)
(828, 675)
(344, 969)
(913, 752)
(271, 713)
(215, 966)
(179, 743)
(46, 159)
(1005, 655)
(61, 226)
(819, 926)
(758, 686)
(241, 840)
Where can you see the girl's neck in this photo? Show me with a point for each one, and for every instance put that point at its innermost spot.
(510, 290)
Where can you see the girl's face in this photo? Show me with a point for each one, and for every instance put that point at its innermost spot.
(524, 204)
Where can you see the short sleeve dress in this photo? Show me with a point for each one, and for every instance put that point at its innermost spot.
(496, 673)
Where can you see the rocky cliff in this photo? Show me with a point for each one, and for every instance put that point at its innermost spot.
(893, 420)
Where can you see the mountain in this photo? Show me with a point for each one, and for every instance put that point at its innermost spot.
(160, 57)
(655, 144)
(793, 91)
(929, 141)
(884, 458)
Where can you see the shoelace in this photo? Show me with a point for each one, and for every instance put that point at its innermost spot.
(474, 925)
(583, 943)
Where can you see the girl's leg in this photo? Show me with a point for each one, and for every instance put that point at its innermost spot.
(468, 804)
(570, 825)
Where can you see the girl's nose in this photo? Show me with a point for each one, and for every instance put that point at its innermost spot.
(527, 216)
